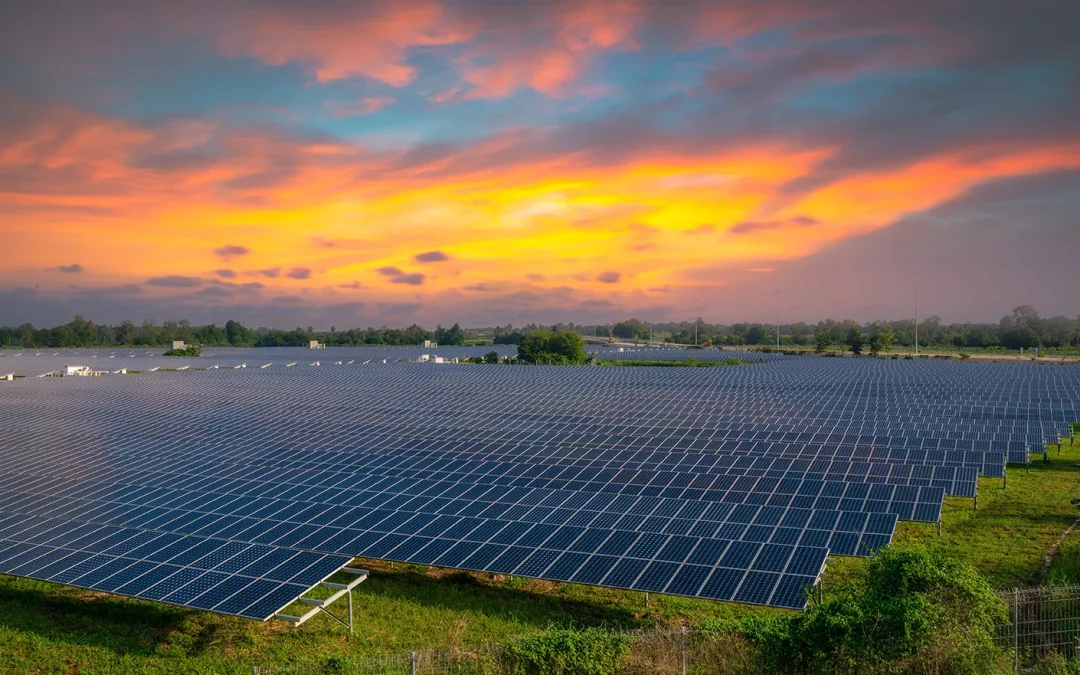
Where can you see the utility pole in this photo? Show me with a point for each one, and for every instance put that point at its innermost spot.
(695, 332)
(777, 292)
(916, 318)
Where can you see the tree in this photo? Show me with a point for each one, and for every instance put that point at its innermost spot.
(755, 335)
(491, 357)
(543, 346)
(822, 340)
(855, 340)
(453, 336)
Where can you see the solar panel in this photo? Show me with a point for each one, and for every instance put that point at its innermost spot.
(729, 483)
(226, 577)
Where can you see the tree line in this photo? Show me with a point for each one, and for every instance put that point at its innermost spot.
(1022, 328)
(84, 333)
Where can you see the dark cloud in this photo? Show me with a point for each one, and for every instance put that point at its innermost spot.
(299, 273)
(415, 279)
(70, 269)
(390, 271)
(271, 273)
(230, 251)
(430, 257)
(752, 226)
(175, 281)
(535, 277)
(225, 274)
(608, 277)
(481, 288)
(356, 285)
(214, 292)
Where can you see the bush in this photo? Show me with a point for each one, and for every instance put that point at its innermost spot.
(964, 356)
(566, 652)
(918, 612)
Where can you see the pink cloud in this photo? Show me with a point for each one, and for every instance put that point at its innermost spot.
(365, 106)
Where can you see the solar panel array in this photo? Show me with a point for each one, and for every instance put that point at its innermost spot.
(731, 483)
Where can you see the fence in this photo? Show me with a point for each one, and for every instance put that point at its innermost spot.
(659, 652)
(1041, 622)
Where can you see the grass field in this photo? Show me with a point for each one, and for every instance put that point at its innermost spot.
(45, 628)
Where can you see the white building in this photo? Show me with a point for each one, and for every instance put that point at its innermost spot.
(315, 344)
(178, 344)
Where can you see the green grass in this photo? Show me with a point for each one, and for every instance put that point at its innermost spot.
(46, 628)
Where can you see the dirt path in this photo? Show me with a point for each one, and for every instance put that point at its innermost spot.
(1054, 550)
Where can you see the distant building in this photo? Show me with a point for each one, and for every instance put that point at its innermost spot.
(178, 345)
(315, 344)
(430, 344)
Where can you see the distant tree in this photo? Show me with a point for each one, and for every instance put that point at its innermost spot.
(822, 340)
(855, 340)
(543, 346)
(874, 341)
(510, 338)
(127, 332)
(888, 339)
(453, 336)
(491, 357)
(755, 335)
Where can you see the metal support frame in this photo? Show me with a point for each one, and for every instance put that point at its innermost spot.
(320, 605)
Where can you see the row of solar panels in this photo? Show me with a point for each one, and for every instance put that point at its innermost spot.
(283, 459)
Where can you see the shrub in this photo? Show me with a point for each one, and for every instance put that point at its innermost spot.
(964, 355)
(918, 612)
(566, 652)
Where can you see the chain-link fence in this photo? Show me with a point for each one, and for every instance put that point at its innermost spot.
(1042, 621)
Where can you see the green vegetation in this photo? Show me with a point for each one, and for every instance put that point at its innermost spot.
(583, 652)
(83, 333)
(912, 607)
(546, 347)
(1022, 328)
(192, 350)
(690, 362)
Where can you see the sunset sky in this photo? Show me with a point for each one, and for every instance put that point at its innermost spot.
(370, 163)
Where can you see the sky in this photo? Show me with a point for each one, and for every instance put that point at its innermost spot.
(492, 162)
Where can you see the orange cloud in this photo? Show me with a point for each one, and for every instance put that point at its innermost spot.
(159, 201)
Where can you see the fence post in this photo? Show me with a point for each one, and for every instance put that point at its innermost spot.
(682, 645)
(1016, 630)
(412, 663)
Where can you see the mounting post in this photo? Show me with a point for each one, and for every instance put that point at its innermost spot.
(359, 575)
